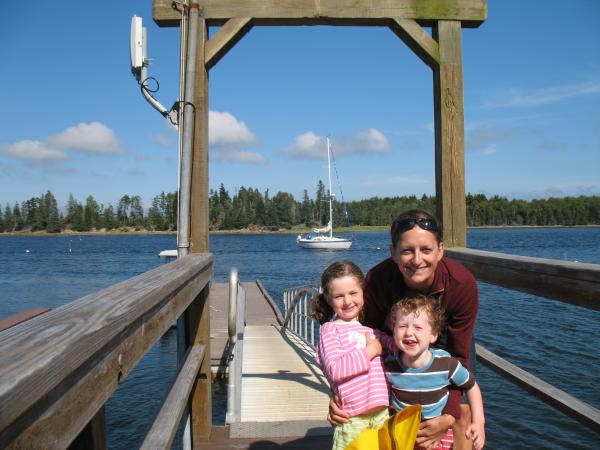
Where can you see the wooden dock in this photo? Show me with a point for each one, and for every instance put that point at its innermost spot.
(284, 393)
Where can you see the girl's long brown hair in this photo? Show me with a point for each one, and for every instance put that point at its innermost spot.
(319, 308)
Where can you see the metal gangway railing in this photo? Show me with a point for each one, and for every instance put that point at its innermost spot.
(236, 325)
(296, 303)
(573, 283)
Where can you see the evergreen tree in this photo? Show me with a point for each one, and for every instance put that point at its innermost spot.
(320, 205)
(123, 210)
(91, 213)
(9, 219)
(17, 218)
(108, 218)
(51, 212)
(137, 212)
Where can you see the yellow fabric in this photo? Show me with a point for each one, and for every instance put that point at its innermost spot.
(397, 433)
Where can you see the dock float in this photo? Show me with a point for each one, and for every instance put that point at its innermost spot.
(283, 392)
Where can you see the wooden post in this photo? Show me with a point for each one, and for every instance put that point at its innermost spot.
(449, 134)
(199, 190)
(197, 321)
(93, 436)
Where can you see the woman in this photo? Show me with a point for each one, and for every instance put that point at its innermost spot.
(417, 266)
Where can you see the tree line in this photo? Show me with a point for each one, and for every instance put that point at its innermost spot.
(250, 209)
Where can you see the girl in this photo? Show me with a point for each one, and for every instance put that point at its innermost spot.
(349, 353)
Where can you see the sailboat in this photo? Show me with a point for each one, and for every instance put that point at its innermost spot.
(323, 238)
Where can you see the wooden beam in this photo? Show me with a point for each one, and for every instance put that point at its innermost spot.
(418, 40)
(450, 135)
(199, 188)
(165, 425)
(93, 436)
(58, 369)
(569, 405)
(329, 12)
(198, 330)
(225, 39)
(570, 282)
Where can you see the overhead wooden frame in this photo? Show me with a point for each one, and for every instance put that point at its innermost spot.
(441, 51)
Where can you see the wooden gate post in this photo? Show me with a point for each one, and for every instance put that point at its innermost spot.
(450, 134)
(198, 314)
(199, 190)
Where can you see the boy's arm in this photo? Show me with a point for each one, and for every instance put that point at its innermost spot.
(476, 431)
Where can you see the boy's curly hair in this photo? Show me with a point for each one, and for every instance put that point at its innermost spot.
(416, 303)
(319, 308)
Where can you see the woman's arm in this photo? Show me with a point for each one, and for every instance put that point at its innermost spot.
(476, 431)
(462, 304)
(431, 431)
(387, 341)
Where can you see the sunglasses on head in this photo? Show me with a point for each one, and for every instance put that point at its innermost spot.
(423, 222)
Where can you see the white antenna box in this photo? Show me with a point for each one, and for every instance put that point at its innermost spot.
(136, 44)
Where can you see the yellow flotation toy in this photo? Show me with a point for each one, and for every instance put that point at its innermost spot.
(397, 433)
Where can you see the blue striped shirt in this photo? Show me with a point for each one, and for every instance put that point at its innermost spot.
(427, 385)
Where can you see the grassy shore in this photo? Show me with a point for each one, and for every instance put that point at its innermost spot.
(124, 231)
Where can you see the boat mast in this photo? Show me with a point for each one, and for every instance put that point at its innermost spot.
(330, 191)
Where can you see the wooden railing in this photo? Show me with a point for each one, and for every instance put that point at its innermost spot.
(58, 370)
(570, 282)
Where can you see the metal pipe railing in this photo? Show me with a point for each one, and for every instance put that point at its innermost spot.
(296, 304)
(236, 325)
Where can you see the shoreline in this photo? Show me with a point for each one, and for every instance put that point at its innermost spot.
(128, 232)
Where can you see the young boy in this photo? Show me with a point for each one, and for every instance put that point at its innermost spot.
(418, 374)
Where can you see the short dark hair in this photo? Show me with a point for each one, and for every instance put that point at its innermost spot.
(406, 220)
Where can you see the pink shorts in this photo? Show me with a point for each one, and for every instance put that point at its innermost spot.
(447, 441)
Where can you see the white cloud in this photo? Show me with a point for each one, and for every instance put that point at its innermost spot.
(224, 130)
(517, 98)
(93, 137)
(552, 145)
(484, 138)
(228, 139)
(311, 146)
(33, 151)
(237, 155)
(162, 140)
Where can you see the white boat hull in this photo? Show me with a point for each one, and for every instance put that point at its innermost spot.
(324, 242)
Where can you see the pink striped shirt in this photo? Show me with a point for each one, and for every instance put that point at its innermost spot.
(341, 354)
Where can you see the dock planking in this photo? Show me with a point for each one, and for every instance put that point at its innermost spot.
(285, 396)
(258, 312)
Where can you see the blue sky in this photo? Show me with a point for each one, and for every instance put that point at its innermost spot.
(74, 120)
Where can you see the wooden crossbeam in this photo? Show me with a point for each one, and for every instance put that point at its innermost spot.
(225, 39)
(418, 40)
(471, 13)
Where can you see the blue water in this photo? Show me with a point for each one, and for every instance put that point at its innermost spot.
(554, 341)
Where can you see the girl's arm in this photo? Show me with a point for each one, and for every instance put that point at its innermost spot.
(339, 365)
(476, 431)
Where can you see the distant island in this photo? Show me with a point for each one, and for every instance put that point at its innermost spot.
(250, 211)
